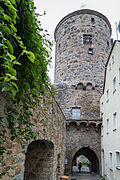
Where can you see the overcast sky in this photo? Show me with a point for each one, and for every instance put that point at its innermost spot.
(57, 9)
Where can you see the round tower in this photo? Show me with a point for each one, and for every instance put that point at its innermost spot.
(82, 47)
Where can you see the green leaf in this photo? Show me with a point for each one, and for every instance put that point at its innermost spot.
(30, 55)
(14, 92)
(7, 18)
(1, 78)
(5, 89)
(12, 57)
(15, 85)
(12, 71)
(16, 62)
(10, 46)
(6, 79)
(13, 2)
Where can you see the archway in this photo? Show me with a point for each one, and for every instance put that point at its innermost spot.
(39, 160)
(90, 155)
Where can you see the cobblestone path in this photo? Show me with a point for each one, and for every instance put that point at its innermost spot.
(84, 176)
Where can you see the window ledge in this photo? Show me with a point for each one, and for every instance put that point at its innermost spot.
(118, 167)
(111, 169)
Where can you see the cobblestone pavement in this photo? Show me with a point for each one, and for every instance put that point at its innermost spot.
(84, 174)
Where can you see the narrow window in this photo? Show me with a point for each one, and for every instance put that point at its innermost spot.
(118, 159)
(102, 132)
(110, 162)
(107, 128)
(92, 20)
(101, 110)
(114, 121)
(90, 51)
(107, 43)
(114, 84)
(109, 66)
(107, 95)
(76, 113)
(87, 39)
(112, 59)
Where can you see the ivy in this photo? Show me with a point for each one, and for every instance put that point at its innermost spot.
(25, 53)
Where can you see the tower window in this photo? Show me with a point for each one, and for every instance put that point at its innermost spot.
(92, 20)
(108, 43)
(76, 113)
(87, 38)
(90, 51)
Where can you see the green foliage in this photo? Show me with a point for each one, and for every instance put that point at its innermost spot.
(84, 162)
(24, 56)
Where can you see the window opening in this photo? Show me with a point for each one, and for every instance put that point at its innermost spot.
(87, 39)
(93, 20)
(76, 113)
(90, 51)
(114, 121)
(118, 159)
(114, 84)
(110, 165)
(107, 95)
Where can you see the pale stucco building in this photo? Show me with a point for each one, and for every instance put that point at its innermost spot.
(110, 113)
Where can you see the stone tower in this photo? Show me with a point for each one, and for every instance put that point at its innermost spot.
(82, 47)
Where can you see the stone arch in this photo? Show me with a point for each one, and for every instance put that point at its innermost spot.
(39, 160)
(80, 86)
(89, 85)
(92, 124)
(72, 125)
(91, 155)
(83, 124)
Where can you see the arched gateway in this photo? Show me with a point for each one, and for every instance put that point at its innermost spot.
(91, 156)
(39, 160)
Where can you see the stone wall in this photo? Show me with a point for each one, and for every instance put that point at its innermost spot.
(41, 158)
(86, 97)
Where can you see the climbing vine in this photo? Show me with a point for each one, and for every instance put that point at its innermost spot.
(24, 56)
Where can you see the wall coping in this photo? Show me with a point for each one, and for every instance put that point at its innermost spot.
(82, 11)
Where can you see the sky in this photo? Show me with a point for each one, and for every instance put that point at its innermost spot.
(57, 9)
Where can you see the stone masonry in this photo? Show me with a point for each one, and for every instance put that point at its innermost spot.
(82, 47)
(42, 158)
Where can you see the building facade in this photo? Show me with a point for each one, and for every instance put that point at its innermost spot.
(110, 113)
(82, 47)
